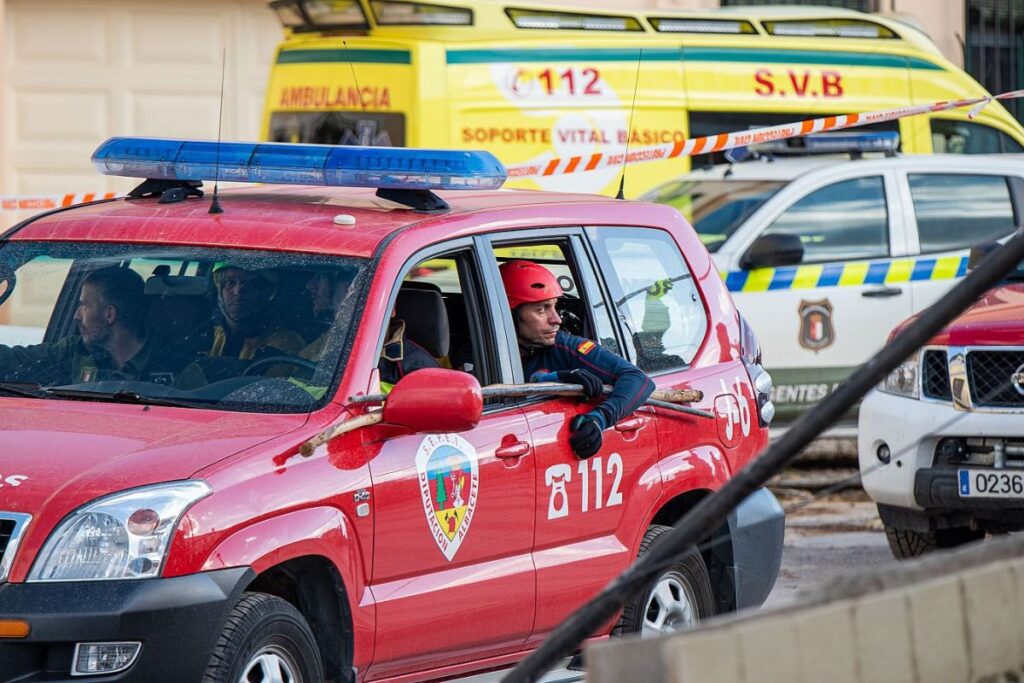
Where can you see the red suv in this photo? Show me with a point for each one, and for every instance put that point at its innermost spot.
(160, 518)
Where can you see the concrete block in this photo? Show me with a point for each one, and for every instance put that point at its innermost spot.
(990, 602)
(937, 630)
(768, 649)
(702, 657)
(625, 659)
(881, 625)
(826, 645)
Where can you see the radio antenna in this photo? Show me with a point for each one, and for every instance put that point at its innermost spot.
(629, 127)
(352, 67)
(215, 202)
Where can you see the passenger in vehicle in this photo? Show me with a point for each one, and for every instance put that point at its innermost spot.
(111, 345)
(398, 357)
(550, 354)
(244, 326)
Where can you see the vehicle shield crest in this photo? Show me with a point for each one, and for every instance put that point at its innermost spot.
(449, 483)
(816, 329)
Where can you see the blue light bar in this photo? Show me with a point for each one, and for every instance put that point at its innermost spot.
(841, 142)
(273, 162)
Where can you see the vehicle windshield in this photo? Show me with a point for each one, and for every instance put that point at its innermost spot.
(715, 208)
(204, 328)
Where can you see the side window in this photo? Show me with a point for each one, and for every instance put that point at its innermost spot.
(844, 221)
(945, 221)
(654, 293)
(433, 306)
(965, 137)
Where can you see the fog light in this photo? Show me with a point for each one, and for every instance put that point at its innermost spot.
(103, 658)
(951, 450)
(884, 454)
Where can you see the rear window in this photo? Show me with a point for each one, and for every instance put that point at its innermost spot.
(654, 294)
(946, 220)
(715, 208)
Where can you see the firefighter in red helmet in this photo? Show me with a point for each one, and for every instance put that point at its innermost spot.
(549, 354)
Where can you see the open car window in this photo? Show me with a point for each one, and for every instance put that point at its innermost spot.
(234, 330)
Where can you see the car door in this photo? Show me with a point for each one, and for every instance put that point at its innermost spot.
(820, 319)
(581, 504)
(453, 577)
(947, 224)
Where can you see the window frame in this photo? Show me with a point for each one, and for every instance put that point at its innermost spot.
(494, 368)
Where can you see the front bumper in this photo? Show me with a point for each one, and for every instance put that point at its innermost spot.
(177, 620)
(752, 559)
(912, 429)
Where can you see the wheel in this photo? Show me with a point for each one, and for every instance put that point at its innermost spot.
(907, 544)
(676, 599)
(265, 640)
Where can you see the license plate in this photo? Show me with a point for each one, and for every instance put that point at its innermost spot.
(991, 484)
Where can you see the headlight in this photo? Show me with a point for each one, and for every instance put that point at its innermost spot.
(904, 380)
(122, 536)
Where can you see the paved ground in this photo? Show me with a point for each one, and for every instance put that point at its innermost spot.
(827, 537)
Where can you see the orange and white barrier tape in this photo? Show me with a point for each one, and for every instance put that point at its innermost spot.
(54, 201)
(724, 141)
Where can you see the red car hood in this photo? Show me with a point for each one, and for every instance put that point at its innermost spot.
(996, 319)
(57, 455)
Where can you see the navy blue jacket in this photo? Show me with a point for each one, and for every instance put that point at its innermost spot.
(630, 386)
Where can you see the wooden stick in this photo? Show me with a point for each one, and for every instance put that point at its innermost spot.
(498, 390)
(307, 448)
(554, 389)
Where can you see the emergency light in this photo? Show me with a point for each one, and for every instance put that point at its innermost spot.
(398, 168)
(838, 142)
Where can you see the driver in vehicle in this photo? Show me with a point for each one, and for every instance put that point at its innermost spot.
(112, 343)
(550, 354)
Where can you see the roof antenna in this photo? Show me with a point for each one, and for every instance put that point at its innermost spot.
(629, 128)
(362, 103)
(215, 202)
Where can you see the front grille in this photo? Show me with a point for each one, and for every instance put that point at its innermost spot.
(935, 376)
(12, 527)
(6, 532)
(989, 374)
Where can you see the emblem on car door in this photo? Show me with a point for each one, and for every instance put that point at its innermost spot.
(816, 329)
(449, 479)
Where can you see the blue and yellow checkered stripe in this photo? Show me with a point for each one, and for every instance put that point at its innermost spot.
(851, 274)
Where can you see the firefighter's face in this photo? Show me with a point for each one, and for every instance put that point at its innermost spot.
(538, 323)
(94, 316)
(241, 293)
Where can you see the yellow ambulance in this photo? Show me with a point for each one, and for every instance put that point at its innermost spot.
(531, 82)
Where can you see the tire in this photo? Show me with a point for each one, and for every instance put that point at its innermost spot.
(678, 598)
(907, 544)
(265, 636)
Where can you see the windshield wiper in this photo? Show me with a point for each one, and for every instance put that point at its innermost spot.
(120, 396)
(27, 389)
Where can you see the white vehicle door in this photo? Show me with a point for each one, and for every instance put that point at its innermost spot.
(953, 212)
(820, 319)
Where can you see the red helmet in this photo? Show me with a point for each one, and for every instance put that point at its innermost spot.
(527, 282)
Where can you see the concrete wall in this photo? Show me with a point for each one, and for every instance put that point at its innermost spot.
(951, 618)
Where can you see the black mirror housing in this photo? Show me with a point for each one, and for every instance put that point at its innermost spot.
(979, 252)
(773, 250)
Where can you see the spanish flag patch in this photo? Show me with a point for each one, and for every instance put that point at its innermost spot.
(586, 347)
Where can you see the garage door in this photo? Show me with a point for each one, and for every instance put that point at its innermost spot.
(77, 73)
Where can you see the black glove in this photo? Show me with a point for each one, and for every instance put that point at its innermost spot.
(592, 386)
(586, 438)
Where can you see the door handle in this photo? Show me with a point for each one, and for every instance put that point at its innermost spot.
(882, 292)
(630, 424)
(515, 450)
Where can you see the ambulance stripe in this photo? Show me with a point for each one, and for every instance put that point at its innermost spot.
(846, 275)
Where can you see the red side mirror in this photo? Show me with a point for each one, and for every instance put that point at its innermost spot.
(435, 400)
